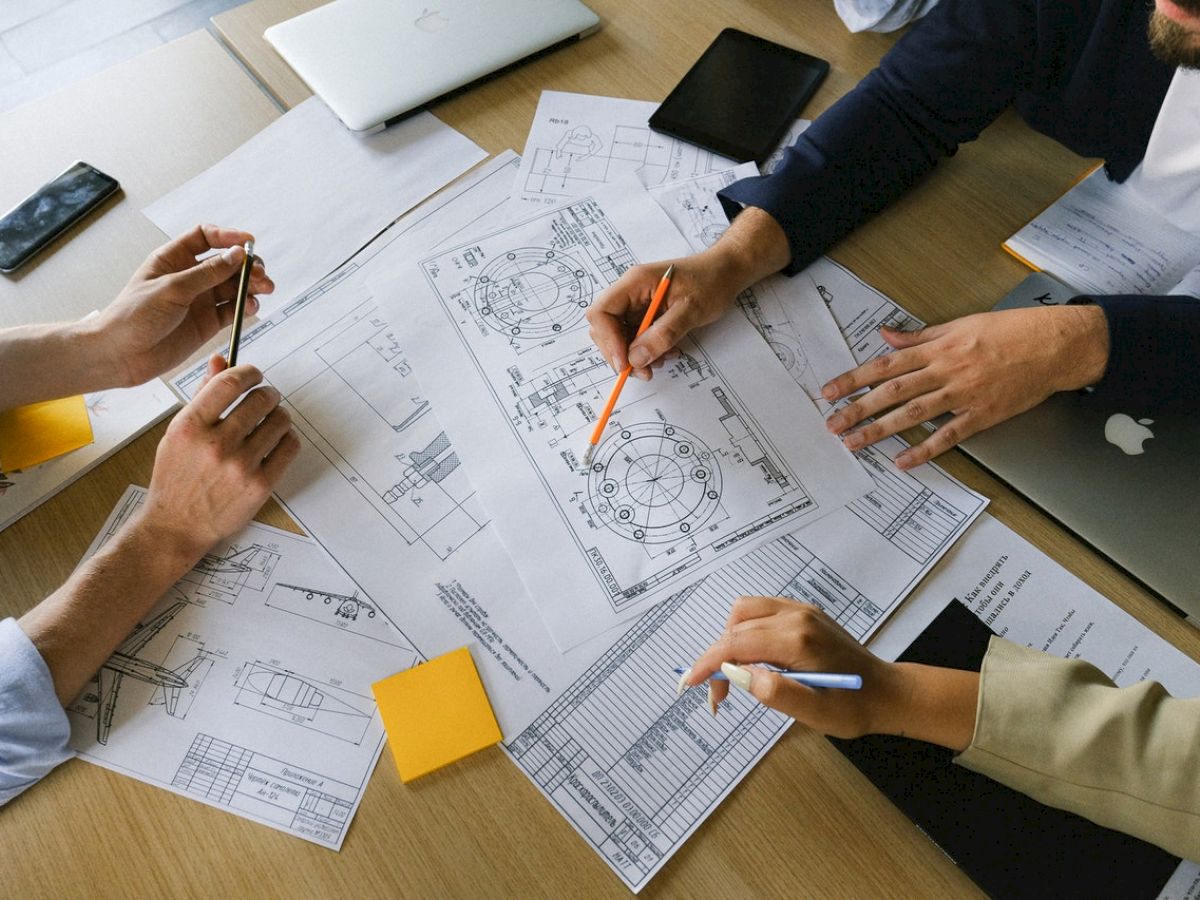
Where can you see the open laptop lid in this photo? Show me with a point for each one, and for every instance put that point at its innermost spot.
(1065, 455)
(373, 60)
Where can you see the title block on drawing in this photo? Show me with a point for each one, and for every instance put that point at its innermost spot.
(436, 714)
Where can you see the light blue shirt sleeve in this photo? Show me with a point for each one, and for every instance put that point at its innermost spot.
(34, 729)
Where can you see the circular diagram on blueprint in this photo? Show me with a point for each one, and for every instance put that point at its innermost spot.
(533, 293)
(789, 352)
(654, 483)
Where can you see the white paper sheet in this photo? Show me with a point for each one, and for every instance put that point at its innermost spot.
(248, 686)
(544, 701)
(1026, 597)
(313, 193)
(580, 141)
(118, 417)
(790, 313)
(716, 455)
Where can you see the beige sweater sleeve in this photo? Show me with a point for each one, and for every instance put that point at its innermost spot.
(1061, 732)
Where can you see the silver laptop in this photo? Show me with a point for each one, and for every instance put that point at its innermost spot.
(374, 60)
(1125, 481)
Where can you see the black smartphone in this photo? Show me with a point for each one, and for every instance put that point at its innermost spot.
(51, 210)
(740, 96)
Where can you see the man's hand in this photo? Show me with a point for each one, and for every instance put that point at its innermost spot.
(173, 304)
(983, 368)
(702, 290)
(211, 475)
(922, 702)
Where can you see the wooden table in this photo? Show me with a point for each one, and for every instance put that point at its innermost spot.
(805, 822)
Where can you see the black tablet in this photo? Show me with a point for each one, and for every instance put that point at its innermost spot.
(740, 96)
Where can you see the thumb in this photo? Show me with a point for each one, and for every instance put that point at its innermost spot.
(209, 272)
(671, 327)
(901, 339)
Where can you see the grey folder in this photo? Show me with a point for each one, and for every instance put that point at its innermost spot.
(1141, 511)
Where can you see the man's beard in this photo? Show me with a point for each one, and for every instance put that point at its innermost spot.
(1172, 43)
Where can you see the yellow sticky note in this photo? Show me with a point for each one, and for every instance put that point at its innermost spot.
(40, 431)
(436, 713)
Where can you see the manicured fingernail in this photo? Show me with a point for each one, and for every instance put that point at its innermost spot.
(712, 701)
(829, 392)
(682, 686)
(854, 441)
(639, 357)
(233, 254)
(615, 364)
(836, 423)
(738, 677)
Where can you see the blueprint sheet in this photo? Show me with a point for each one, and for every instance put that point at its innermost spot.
(118, 416)
(580, 141)
(609, 705)
(715, 456)
(1028, 598)
(248, 686)
(790, 313)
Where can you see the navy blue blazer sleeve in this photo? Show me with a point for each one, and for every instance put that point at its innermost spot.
(1154, 354)
(939, 86)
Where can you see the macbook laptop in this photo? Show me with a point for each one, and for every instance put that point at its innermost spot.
(374, 60)
(1124, 480)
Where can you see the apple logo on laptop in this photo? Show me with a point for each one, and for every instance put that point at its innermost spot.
(1127, 434)
(431, 21)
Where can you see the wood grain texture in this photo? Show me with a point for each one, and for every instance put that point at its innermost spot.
(804, 823)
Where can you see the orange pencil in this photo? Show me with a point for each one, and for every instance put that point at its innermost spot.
(655, 302)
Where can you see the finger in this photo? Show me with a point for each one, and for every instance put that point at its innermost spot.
(216, 365)
(770, 689)
(773, 645)
(253, 409)
(208, 273)
(889, 394)
(667, 331)
(902, 339)
(281, 457)
(181, 252)
(223, 388)
(914, 412)
(269, 433)
(957, 429)
(879, 369)
(225, 312)
(612, 313)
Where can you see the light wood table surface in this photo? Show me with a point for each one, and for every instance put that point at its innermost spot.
(804, 823)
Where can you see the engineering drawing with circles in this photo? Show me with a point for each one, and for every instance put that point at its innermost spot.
(654, 483)
(533, 293)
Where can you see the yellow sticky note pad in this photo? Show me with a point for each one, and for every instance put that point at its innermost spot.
(436, 713)
(40, 431)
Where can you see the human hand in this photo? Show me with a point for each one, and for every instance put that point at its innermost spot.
(211, 475)
(702, 290)
(922, 702)
(800, 637)
(983, 368)
(173, 304)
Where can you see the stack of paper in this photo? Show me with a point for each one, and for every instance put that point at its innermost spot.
(444, 385)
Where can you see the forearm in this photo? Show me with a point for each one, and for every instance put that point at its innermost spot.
(928, 703)
(1061, 732)
(44, 362)
(752, 248)
(79, 626)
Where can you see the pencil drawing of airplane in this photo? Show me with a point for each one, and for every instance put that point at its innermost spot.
(169, 683)
(348, 606)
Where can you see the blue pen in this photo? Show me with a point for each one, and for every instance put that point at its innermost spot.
(812, 679)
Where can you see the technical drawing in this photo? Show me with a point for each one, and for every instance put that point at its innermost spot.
(306, 702)
(770, 319)
(224, 577)
(581, 159)
(346, 612)
(533, 293)
(175, 687)
(654, 483)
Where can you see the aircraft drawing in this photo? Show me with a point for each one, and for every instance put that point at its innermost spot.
(169, 683)
(348, 607)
